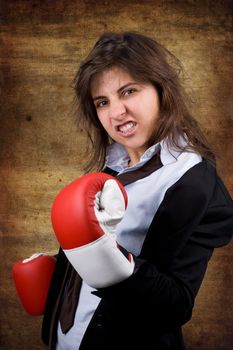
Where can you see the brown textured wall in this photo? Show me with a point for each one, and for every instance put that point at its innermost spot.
(42, 43)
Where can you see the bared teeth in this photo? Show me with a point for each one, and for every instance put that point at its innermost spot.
(126, 127)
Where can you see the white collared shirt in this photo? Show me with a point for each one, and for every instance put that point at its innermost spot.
(144, 197)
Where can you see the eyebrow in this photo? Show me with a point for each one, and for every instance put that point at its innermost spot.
(119, 90)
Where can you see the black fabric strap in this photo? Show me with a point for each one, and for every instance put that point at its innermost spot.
(70, 302)
(131, 176)
(148, 168)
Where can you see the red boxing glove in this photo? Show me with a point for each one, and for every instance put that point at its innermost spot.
(84, 217)
(32, 279)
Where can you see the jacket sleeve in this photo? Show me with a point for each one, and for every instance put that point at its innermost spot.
(195, 217)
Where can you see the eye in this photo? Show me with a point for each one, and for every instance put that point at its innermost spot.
(101, 103)
(129, 92)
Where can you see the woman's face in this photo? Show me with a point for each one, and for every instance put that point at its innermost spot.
(127, 109)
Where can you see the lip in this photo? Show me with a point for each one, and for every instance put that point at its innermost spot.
(128, 133)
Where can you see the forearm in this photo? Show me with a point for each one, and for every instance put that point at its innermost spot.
(163, 297)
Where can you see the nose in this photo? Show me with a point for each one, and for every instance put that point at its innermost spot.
(117, 110)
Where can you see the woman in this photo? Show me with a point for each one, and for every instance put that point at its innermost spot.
(133, 108)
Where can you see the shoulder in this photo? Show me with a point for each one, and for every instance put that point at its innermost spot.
(202, 182)
(205, 167)
(198, 204)
(193, 196)
(196, 184)
(198, 173)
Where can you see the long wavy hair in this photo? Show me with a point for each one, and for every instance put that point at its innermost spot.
(146, 61)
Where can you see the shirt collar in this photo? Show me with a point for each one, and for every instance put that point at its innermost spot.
(117, 157)
(169, 154)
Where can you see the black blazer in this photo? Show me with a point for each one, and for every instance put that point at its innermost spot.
(147, 310)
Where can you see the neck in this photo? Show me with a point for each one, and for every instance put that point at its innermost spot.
(134, 160)
(135, 156)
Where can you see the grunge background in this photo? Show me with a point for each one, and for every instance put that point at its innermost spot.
(41, 150)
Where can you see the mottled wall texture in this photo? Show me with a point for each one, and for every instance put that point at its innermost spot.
(42, 43)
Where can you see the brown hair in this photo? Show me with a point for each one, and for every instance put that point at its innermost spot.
(146, 61)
